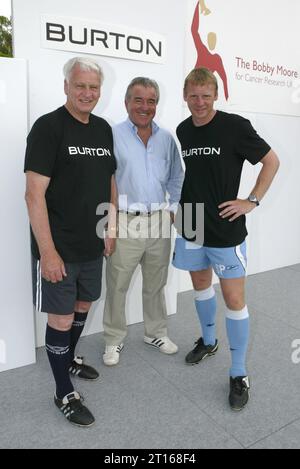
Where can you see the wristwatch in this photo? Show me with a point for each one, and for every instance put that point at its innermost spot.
(254, 199)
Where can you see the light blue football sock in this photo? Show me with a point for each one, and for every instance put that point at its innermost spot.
(206, 306)
(237, 325)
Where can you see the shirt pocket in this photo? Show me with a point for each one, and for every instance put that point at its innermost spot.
(161, 168)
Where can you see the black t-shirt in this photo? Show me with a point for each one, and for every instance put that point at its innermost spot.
(214, 155)
(80, 161)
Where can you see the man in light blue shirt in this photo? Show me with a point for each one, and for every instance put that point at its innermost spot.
(149, 170)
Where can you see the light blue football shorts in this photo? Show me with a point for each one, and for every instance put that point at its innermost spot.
(226, 262)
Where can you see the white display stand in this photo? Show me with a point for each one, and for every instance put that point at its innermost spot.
(17, 345)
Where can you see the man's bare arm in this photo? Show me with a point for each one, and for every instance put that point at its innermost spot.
(110, 239)
(270, 167)
(235, 208)
(52, 265)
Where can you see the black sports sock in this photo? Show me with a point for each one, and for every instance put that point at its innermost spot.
(76, 331)
(58, 351)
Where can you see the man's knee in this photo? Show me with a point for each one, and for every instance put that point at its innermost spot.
(82, 306)
(233, 293)
(201, 280)
(234, 302)
(60, 323)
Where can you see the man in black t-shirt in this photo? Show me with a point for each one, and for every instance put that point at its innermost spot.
(69, 167)
(214, 147)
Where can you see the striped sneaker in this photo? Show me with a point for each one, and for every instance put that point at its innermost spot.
(164, 344)
(74, 411)
(111, 355)
(79, 369)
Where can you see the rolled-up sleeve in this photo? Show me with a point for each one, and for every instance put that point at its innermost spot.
(174, 184)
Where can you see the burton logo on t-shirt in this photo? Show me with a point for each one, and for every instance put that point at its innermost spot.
(205, 151)
(85, 151)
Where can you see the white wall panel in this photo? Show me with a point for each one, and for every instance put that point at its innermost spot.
(275, 232)
(17, 347)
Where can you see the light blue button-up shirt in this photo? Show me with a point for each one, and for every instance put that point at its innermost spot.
(145, 175)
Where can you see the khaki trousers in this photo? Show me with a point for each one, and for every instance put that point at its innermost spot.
(143, 240)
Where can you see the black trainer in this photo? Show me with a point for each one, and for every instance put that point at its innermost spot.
(239, 392)
(74, 411)
(79, 369)
(200, 352)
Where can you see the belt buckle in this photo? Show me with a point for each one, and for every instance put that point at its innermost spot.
(142, 214)
(138, 213)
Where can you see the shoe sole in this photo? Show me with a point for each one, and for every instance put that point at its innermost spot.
(81, 426)
(74, 375)
(161, 351)
(111, 364)
(85, 379)
(238, 410)
(211, 354)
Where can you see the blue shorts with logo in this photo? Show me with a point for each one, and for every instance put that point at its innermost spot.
(226, 262)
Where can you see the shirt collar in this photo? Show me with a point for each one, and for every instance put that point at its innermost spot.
(131, 125)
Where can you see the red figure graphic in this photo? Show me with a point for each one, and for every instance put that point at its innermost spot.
(205, 58)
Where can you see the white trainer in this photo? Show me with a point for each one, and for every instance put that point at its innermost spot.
(164, 344)
(111, 356)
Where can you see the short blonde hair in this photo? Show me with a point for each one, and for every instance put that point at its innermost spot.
(200, 76)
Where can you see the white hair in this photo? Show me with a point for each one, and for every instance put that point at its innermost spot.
(85, 64)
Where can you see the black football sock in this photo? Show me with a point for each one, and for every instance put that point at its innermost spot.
(58, 351)
(76, 331)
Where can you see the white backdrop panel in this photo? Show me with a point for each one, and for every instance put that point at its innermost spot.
(17, 324)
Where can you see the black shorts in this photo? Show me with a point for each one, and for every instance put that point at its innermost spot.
(83, 283)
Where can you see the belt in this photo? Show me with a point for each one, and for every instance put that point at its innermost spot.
(138, 213)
